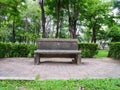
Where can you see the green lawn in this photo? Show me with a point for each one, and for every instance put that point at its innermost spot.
(88, 84)
(101, 53)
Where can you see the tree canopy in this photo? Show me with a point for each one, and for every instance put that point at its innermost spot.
(87, 20)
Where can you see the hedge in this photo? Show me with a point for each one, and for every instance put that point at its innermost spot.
(3, 49)
(25, 50)
(114, 50)
(19, 50)
(31, 50)
(88, 49)
(16, 50)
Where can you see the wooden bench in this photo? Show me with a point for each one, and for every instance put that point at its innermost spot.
(62, 48)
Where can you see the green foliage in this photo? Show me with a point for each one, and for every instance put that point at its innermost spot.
(16, 50)
(114, 33)
(19, 50)
(87, 84)
(114, 51)
(116, 4)
(4, 49)
(25, 50)
(25, 17)
(31, 52)
(88, 49)
(95, 14)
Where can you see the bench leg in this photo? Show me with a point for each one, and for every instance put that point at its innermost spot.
(36, 59)
(78, 59)
(74, 60)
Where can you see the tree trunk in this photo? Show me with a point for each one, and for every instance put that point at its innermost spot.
(73, 20)
(93, 34)
(75, 29)
(61, 25)
(76, 14)
(13, 31)
(58, 18)
(71, 30)
(43, 18)
(26, 30)
(70, 22)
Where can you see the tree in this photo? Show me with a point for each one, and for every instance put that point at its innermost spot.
(96, 14)
(31, 21)
(54, 9)
(58, 18)
(54, 18)
(12, 9)
(114, 33)
(73, 13)
(41, 2)
(116, 4)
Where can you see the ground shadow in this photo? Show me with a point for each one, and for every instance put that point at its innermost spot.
(55, 62)
(61, 63)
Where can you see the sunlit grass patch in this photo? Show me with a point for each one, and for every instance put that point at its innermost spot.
(87, 84)
(101, 53)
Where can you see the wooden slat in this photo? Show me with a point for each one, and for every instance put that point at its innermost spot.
(56, 40)
(57, 44)
(57, 51)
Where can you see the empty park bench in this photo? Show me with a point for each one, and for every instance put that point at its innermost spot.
(62, 48)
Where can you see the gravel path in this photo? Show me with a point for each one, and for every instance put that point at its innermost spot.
(58, 68)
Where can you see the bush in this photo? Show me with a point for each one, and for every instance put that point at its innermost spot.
(19, 50)
(25, 50)
(114, 50)
(31, 48)
(16, 50)
(88, 49)
(4, 49)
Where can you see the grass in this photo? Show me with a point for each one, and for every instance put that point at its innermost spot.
(101, 53)
(87, 84)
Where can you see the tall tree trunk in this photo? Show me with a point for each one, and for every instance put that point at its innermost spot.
(73, 20)
(75, 29)
(58, 18)
(93, 34)
(70, 21)
(26, 30)
(43, 18)
(38, 29)
(71, 30)
(13, 31)
(61, 25)
(76, 13)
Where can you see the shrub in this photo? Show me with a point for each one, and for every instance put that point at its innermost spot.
(25, 50)
(19, 50)
(16, 50)
(4, 49)
(114, 50)
(8, 49)
(31, 48)
(88, 49)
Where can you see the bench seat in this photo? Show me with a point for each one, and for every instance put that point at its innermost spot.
(58, 48)
(57, 51)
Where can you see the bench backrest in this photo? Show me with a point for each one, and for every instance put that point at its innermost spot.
(57, 44)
